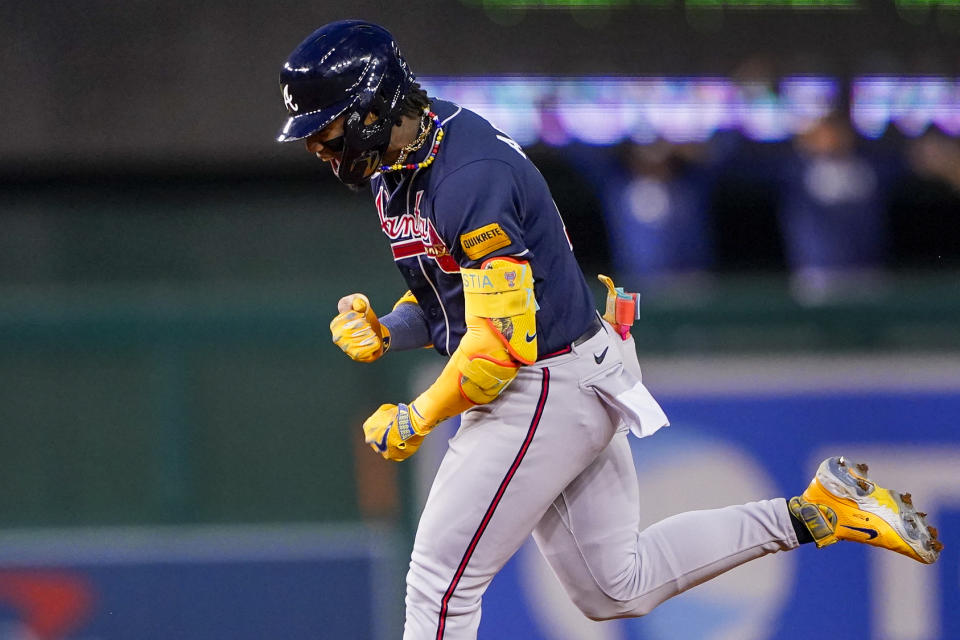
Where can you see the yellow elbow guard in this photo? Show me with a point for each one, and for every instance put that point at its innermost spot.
(501, 293)
(483, 378)
(501, 335)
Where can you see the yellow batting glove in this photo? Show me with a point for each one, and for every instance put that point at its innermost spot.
(358, 332)
(391, 432)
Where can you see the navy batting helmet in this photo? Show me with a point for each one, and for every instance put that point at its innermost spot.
(348, 68)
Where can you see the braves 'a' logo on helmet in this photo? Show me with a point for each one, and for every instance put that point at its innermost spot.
(288, 99)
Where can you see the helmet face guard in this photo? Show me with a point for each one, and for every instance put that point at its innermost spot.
(352, 69)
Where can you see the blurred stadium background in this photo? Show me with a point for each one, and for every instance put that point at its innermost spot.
(180, 454)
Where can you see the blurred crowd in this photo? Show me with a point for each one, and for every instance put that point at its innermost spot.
(839, 212)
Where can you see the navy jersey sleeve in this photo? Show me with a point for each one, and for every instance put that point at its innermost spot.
(479, 211)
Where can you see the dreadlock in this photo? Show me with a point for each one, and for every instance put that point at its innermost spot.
(414, 102)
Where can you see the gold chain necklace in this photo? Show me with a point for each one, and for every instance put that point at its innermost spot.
(418, 142)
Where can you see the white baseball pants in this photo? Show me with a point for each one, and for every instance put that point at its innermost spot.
(550, 457)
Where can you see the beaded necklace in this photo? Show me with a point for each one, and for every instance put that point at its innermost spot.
(416, 144)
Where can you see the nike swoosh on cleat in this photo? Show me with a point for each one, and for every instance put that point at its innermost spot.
(382, 445)
(598, 357)
(530, 338)
(870, 532)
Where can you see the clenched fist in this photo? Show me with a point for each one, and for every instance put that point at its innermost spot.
(357, 331)
(392, 433)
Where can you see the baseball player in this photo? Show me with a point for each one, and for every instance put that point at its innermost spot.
(547, 390)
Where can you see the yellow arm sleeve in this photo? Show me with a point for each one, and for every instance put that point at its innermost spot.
(501, 335)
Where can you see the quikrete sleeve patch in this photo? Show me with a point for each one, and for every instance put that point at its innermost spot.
(482, 241)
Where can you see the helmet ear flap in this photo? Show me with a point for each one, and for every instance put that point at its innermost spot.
(373, 136)
(364, 144)
(380, 107)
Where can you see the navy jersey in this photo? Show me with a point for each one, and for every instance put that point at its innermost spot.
(481, 197)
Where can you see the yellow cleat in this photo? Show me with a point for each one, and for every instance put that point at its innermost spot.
(842, 503)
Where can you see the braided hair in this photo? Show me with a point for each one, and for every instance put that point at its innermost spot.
(414, 102)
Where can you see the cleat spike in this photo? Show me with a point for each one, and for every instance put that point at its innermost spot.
(921, 514)
(862, 468)
(933, 532)
(863, 484)
(937, 546)
(842, 461)
(906, 498)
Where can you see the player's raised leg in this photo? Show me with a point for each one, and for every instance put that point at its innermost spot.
(842, 503)
(611, 569)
